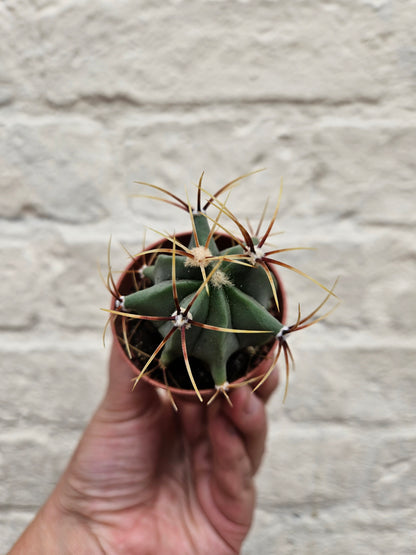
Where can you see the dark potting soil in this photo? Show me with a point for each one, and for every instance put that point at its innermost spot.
(144, 339)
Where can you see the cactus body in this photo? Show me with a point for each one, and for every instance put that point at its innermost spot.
(225, 311)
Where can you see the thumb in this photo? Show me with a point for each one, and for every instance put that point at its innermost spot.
(120, 395)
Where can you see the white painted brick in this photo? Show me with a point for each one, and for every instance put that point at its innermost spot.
(335, 172)
(330, 466)
(18, 267)
(76, 292)
(349, 152)
(260, 50)
(173, 153)
(390, 301)
(361, 169)
(366, 262)
(369, 167)
(15, 192)
(20, 50)
(51, 283)
(12, 524)
(343, 258)
(96, 95)
(57, 386)
(61, 167)
(34, 463)
(334, 530)
(394, 476)
(352, 385)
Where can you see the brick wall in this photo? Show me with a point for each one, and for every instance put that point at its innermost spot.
(97, 94)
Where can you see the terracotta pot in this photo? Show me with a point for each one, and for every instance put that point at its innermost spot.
(127, 284)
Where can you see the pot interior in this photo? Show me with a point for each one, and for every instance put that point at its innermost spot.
(144, 338)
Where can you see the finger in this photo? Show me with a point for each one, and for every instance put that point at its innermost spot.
(120, 396)
(268, 387)
(248, 415)
(125, 436)
(194, 424)
(193, 418)
(231, 475)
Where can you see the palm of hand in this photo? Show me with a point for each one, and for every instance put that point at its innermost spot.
(147, 480)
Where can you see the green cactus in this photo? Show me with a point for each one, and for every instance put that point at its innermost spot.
(207, 303)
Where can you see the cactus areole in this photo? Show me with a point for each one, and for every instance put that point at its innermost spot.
(212, 310)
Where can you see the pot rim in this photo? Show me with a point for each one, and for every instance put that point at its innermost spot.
(190, 394)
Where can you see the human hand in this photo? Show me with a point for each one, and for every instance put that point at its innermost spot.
(145, 479)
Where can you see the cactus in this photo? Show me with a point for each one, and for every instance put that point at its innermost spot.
(208, 303)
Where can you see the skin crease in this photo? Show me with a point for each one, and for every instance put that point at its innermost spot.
(147, 480)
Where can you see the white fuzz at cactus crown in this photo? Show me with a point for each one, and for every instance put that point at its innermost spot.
(219, 279)
(200, 257)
